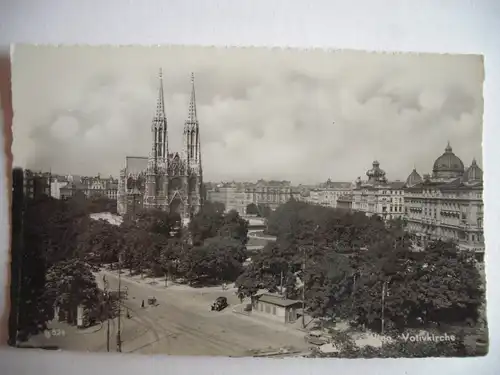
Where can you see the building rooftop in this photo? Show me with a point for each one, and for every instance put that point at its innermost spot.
(443, 185)
(277, 300)
(329, 184)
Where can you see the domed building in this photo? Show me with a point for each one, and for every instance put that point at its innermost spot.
(448, 165)
(378, 196)
(414, 178)
(447, 204)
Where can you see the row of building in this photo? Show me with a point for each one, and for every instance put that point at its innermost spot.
(444, 204)
(65, 187)
(238, 195)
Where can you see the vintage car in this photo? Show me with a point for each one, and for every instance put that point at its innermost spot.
(316, 338)
(219, 304)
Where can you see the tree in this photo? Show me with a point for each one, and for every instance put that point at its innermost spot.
(205, 224)
(252, 209)
(137, 245)
(436, 285)
(100, 243)
(328, 281)
(218, 259)
(211, 222)
(51, 229)
(233, 226)
(263, 210)
(70, 284)
(357, 266)
(170, 256)
(156, 221)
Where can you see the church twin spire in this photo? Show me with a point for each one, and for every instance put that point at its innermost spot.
(191, 146)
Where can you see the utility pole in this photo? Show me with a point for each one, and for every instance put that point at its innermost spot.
(281, 283)
(304, 288)
(106, 296)
(384, 291)
(118, 334)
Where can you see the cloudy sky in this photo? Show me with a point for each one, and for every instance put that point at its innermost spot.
(303, 116)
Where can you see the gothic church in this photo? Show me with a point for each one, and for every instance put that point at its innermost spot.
(169, 181)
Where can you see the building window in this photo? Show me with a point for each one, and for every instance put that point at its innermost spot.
(274, 310)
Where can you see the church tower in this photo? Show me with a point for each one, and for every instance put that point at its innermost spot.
(165, 180)
(156, 183)
(192, 152)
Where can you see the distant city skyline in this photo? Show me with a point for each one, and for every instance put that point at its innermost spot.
(300, 116)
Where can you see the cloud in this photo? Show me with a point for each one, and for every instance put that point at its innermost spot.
(302, 116)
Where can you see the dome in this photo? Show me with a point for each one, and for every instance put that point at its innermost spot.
(414, 178)
(473, 173)
(376, 174)
(448, 165)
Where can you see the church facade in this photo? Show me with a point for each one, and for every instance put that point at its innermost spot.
(165, 180)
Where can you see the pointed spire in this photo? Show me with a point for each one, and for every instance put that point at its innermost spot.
(192, 117)
(448, 147)
(160, 101)
(474, 162)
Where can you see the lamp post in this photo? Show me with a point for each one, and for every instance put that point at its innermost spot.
(385, 284)
(118, 333)
(304, 287)
(106, 303)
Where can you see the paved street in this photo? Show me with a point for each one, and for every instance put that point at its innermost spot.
(182, 324)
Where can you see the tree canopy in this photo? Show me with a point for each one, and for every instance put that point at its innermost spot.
(349, 265)
(351, 260)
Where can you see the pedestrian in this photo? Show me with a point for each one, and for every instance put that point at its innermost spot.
(240, 296)
(142, 304)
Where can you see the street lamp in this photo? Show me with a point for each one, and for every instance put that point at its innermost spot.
(385, 285)
(106, 303)
(118, 333)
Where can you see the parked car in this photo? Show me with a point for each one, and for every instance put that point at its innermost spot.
(316, 338)
(220, 304)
